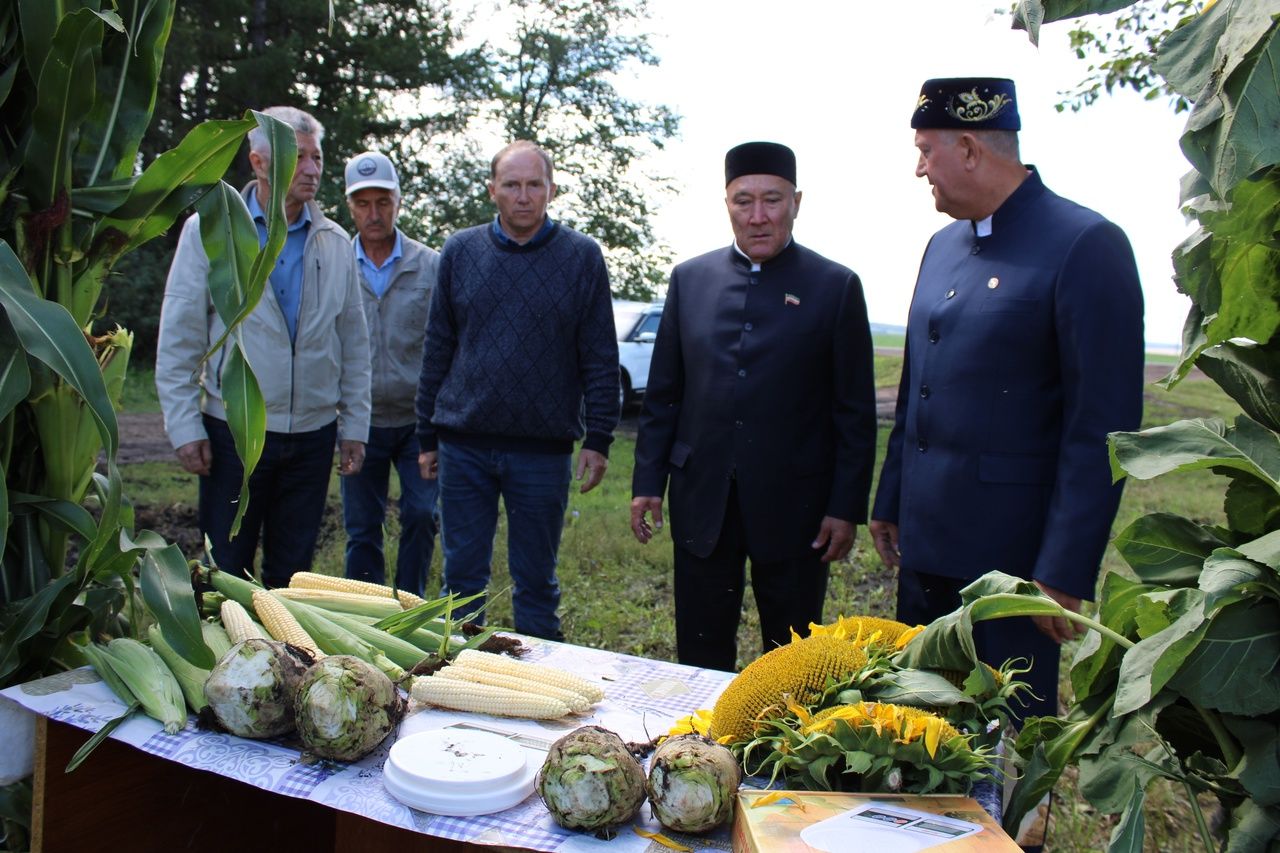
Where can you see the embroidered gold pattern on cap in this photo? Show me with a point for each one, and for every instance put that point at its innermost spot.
(973, 108)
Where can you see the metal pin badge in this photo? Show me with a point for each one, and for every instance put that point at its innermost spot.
(993, 283)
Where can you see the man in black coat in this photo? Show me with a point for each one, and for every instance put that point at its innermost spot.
(758, 419)
(1024, 349)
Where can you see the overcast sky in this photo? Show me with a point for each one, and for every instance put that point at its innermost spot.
(838, 82)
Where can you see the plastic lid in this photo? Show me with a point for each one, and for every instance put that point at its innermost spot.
(458, 772)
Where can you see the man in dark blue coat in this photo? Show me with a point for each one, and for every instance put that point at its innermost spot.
(758, 420)
(1024, 349)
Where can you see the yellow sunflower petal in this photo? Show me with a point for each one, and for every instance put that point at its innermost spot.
(907, 636)
(661, 839)
(768, 799)
(932, 734)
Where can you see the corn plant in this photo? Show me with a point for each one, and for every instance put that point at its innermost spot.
(1179, 675)
(77, 89)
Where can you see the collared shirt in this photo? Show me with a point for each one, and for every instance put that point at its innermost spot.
(547, 224)
(286, 278)
(982, 227)
(379, 277)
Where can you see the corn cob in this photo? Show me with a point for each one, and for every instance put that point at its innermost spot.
(336, 640)
(313, 580)
(486, 699)
(239, 624)
(352, 603)
(149, 680)
(576, 702)
(530, 671)
(191, 678)
(281, 624)
(402, 652)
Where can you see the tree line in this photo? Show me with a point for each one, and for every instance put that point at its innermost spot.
(437, 90)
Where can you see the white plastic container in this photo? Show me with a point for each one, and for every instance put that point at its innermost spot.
(459, 772)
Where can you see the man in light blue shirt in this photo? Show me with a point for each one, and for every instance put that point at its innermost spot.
(397, 274)
(307, 344)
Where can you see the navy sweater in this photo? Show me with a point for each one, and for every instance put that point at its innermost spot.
(518, 339)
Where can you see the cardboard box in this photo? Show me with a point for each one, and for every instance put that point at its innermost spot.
(876, 822)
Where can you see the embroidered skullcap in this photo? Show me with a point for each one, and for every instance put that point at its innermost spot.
(759, 158)
(967, 103)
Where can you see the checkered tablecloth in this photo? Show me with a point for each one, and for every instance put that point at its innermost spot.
(643, 699)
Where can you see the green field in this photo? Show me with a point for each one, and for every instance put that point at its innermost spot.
(617, 593)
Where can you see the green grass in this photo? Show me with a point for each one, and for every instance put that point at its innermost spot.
(139, 394)
(617, 592)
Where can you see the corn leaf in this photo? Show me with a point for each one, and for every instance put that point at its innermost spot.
(65, 514)
(50, 335)
(174, 182)
(32, 614)
(15, 377)
(128, 72)
(65, 94)
(99, 736)
(246, 418)
(166, 589)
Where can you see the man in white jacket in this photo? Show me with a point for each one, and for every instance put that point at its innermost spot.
(308, 346)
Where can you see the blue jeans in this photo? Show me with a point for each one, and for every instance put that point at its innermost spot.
(535, 490)
(287, 492)
(364, 508)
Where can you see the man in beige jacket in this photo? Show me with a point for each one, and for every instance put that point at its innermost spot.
(308, 346)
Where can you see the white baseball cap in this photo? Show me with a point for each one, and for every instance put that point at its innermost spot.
(371, 170)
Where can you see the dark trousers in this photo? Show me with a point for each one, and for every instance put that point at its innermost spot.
(287, 492)
(709, 591)
(924, 597)
(364, 511)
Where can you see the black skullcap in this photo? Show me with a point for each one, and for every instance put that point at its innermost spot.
(967, 103)
(760, 158)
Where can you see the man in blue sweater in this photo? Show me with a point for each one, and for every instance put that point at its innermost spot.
(520, 336)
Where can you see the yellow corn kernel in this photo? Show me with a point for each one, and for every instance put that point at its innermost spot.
(239, 624)
(576, 701)
(281, 624)
(530, 672)
(486, 699)
(313, 580)
(354, 603)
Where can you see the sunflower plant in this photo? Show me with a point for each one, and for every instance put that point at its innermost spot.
(867, 747)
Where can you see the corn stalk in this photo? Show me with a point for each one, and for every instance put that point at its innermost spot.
(77, 88)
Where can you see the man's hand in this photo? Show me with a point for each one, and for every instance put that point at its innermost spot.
(429, 464)
(350, 457)
(592, 464)
(1059, 628)
(639, 524)
(884, 535)
(196, 456)
(836, 535)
